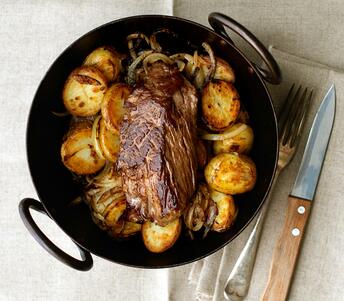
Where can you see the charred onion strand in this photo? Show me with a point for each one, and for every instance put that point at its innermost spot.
(105, 171)
(95, 137)
(131, 79)
(199, 79)
(194, 217)
(181, 65)
(198, 218)
(153, 41)
(211, 214)
(225, 135)
(60, 114)
(182, 56)
(212, 68)
(131, 47)
(189, 67)
(195, 63)
(188, 215)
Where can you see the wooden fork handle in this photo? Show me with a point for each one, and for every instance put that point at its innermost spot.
(286, 250)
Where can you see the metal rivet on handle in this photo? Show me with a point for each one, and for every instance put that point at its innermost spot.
(295, 232)
(301, 210)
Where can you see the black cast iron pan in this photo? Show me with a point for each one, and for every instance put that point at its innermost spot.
(54, 183)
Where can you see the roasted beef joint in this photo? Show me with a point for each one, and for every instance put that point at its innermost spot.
(157, 158)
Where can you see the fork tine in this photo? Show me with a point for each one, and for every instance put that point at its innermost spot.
(284, 110)
(294, 112)
(300, 119)
(291, 114)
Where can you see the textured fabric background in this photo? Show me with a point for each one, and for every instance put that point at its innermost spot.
(33, 33)
(308, 28)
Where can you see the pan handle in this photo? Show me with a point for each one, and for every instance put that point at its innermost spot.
(82, 265)
(218, 21)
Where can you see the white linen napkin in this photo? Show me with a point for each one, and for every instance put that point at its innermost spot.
(320, 271)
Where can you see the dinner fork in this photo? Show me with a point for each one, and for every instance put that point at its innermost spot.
(290, 120)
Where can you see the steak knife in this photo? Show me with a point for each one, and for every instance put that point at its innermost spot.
(300, 201)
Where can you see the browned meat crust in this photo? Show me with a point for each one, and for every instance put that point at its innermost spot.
(157, 158)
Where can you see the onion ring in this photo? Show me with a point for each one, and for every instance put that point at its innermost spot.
(225, 135)
(131, 47)
(131, 79)
(95, 137)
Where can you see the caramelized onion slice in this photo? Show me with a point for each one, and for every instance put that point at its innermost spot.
(154, 57)
(131, 78)
(131, 47)
(225, 135)
(95, 137)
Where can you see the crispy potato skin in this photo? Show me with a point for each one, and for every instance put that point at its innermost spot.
(109, 142)
(158, 239)
(112, 106)
(107, 60)
(77, 152)
(241, 143)
(226, 211)
(220, 105)
(84, 91)
(231, 173)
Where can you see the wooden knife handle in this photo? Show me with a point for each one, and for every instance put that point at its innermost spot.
(287, 250)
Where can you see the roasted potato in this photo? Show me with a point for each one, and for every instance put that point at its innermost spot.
(223, 70)
(109, 142)
(220, 105)
(112, 106)
(226, 211)
(158, 239)
(241, 143)
(231, 173)
(77, 151)
(84, 91)
(107, 60)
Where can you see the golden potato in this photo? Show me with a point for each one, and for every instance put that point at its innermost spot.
(231, 173)
(78, 154)
(107, 60)
(226, 211)
(84, 91)
(241, 143)
(158, 239)
(109, 142)
(223, 70)
(112, 106)
(220, 105)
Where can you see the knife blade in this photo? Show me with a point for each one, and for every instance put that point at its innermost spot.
(299, 201)
(316, 146)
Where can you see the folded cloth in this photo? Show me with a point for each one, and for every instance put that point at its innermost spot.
(320, 271)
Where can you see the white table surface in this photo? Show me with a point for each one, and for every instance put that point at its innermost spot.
(32, 34)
